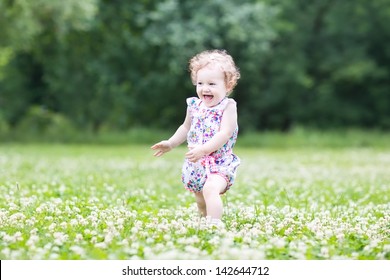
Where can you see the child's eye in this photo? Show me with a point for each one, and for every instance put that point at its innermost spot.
(212, 84)
(199, 83)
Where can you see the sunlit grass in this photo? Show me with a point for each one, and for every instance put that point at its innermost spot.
(118, 202)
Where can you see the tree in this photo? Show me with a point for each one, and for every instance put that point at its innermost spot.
(118, 64)
(329, 66)
(31, 30)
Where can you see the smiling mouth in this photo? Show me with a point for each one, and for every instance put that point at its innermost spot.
(208, 97)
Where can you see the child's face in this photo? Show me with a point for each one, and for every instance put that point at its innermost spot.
(210, 85)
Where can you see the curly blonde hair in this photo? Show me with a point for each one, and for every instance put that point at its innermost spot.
(219, 58)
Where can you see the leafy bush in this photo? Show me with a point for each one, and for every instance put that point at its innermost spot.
(40, 123)
(4, 127)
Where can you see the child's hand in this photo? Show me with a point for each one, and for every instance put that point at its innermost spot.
(195, 154)
(161, 148)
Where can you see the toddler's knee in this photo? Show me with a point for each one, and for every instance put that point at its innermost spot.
(214, 185)
(210, 190)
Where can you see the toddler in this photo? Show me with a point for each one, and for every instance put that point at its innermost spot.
(210, 128)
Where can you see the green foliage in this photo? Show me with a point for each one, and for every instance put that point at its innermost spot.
(5, 57)
(40, 123)
(309, 138)
(4, 127)
(326, 68)
(114, 65)
(24, 21)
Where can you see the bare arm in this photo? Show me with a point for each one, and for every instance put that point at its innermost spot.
(228, 126)
(177, 138)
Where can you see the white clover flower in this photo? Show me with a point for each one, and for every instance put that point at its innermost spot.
(278, 242)
(6, 252)
(18, 236)
(60, 238)
(120, 221)
(134, 230)
(289, 231)
(269, 230)
(324, 252)
(94, 224)
(73, 222)
(340, 237)
(31, 221)
(53, 256)
(77, 250)
(79, 237)
(215, 240)
(17, 217)
(27, 201)
(328, 233)
(52, 226)
(12, 206)
(8, 238)
(32, 240)
(83, 222)
(124, 242)
(182, 230)
(55, 249)
(108, 238)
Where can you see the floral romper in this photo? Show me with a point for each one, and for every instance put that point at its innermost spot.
(205, 123)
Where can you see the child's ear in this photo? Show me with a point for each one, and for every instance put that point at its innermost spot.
(229, 86)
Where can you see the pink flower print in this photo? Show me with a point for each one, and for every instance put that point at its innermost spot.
(193, 137)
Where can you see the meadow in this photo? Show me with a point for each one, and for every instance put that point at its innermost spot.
(119, 202)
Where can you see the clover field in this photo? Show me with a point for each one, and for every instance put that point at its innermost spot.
(119, 202)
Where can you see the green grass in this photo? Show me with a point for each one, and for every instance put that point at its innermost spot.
(119, 202)
(296, 138)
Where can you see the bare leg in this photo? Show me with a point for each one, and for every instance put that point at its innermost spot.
(201, 203)
(214, 186)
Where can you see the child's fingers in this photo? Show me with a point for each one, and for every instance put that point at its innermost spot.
(190, 156)
(156, 146)
(160, 148)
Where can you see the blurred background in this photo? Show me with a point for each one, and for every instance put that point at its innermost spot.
(89, 67)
